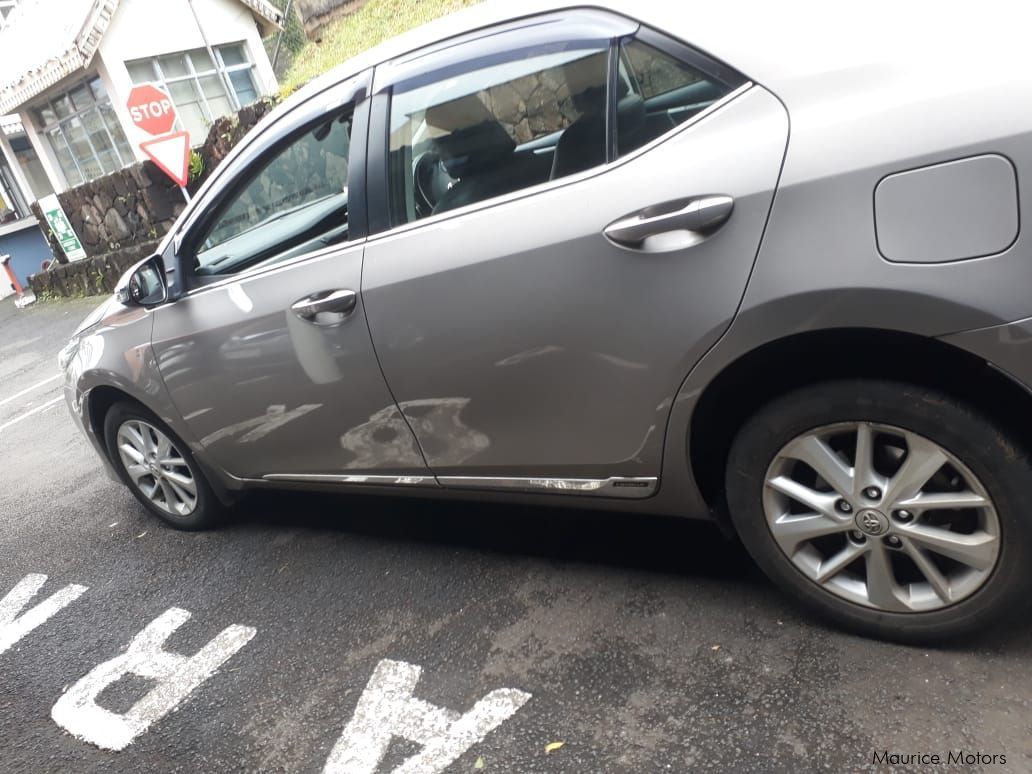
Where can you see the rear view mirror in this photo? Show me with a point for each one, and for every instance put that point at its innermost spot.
(144, 285)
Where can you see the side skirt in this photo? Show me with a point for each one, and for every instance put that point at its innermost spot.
(637, 487)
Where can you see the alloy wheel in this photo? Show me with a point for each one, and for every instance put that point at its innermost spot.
(882, 517)
(157, 469)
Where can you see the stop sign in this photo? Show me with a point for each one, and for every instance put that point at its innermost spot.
(151, 109)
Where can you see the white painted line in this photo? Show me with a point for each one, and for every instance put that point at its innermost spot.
(175, 677)
(28, 414)
(15, 624)
(27, 390)
(387, 709)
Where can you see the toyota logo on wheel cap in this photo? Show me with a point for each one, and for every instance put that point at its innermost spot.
(872, 522)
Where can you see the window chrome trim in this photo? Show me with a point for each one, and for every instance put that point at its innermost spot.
(628, 487)
(569, 179)
(374, 480)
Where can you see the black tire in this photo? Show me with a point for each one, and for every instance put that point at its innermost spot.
(1001, 465)
(207, 512)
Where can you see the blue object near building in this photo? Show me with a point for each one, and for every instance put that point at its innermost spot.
(24, 242)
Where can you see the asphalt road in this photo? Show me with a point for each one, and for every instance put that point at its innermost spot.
(644, 644)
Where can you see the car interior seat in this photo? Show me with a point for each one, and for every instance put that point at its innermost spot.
(583, 144)
(483, 161)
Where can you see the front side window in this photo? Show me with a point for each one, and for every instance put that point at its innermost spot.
(295, 203)
(85, 136)
(496, 129)
(197, 84)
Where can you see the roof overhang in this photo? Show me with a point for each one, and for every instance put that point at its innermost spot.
(76, 46)
(11, 125)
(73, 55)
(268, 16)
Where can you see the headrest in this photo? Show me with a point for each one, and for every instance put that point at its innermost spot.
(474, 149)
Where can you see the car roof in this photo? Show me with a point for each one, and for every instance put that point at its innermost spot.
(839, 58)
(783, 45)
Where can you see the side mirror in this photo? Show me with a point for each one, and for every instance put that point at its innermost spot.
(145, 284)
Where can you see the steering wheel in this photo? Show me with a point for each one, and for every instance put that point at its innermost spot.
(432, 181)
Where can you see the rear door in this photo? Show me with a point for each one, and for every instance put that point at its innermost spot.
(267, 356)
(564, 215)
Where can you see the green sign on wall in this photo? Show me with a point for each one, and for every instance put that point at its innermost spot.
(62, 228)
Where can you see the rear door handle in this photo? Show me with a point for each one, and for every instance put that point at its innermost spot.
(703, 214)
(328, 307)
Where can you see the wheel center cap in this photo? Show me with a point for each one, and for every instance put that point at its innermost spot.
(872, 522)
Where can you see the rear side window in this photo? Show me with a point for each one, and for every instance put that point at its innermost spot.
(657, 92)
(503, 121)
(495, 129)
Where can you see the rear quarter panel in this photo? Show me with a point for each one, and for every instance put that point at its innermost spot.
(819, 266)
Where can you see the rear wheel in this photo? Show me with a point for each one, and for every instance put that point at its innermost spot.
(890, 509)
(159, 469)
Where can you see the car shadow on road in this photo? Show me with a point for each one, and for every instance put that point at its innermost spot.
(634, 541)
(631, 540)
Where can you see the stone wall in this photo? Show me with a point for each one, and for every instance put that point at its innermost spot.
(223, 136)
(317, 13)
(93, 276)
(134, 205)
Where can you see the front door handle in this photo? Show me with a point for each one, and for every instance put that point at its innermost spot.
(328, 307)
(702, 214)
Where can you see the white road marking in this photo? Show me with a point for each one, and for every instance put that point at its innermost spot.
(31, 412)
(27, 390)
(387, 709)
(14, 626)
(177, 677)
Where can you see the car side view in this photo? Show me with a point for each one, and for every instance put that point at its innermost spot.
(637, 256)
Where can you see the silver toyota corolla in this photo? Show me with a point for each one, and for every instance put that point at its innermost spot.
(761, 265)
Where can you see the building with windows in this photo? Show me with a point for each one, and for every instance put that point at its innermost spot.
(66, 70)
(22, 181)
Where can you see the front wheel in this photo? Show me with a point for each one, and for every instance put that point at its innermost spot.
(887, 508)
(159, 469)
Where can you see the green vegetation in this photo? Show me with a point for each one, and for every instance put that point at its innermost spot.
(346, 37)
(196, 165)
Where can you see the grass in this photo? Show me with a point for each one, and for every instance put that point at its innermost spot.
(378, 21)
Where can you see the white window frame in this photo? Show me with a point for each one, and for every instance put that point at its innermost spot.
(45, 129)
(221, 71)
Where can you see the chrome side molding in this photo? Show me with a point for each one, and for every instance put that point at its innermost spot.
(627, 487)
(332, 478)
(635, 487)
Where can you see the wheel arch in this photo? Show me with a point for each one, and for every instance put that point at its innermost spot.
(779, 366)
(99, 401)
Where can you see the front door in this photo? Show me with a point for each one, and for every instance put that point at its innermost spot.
(572, 224)
(267, 356)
